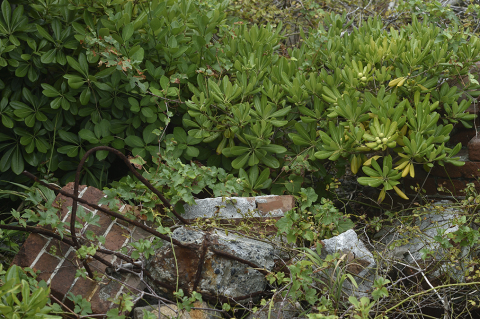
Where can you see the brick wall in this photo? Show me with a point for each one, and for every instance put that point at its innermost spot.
(57, 263)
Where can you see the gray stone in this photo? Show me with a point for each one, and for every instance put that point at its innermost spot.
(406, 246)
(359, 261)
(170, 312)
(220, 275)
(233, 207)
(287, 310)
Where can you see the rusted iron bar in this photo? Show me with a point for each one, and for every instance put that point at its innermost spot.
(38, 230)
(230, 256)
(201, 261)
(109, 212)
(134, 172)
(224, 299)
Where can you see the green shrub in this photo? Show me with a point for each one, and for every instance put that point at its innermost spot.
(75, 76)
(79, 74)
(22, 297)
(337, 98)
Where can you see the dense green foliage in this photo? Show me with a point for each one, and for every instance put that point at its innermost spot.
(274, 99)
(21, 296)
(76, 76)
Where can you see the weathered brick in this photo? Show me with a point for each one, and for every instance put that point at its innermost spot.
(29, 250)
(448, 170)
(98, 266)
(103, 223)
(275, 203)
(462, 136)
(469, 170)
(57, 248)
(84, 287)
(170, 312)
(65, 276)
(106, 290)
(454, 187)
(92, 195)
(46, 265)
(116, 237)
(64, 202)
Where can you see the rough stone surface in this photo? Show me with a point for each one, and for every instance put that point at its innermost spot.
(280, 310)
(240, 207)
(170, 312)
(360, 262)
(220, 275)
(407, 247)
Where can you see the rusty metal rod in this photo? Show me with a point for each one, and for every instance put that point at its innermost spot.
(230, 256)
(109, 212)
(201, 260)
(134, 172)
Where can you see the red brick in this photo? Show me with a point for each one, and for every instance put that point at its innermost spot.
(140, 233)
(69, 218)
(448, 170)
(463, 136)
(474, 149)
(57, 248)
(469, 170)
(64, 202)
(92, 195)
(46, 264)
(270, 204)
(104, 222)
(116, 238)
(83, 287)
(29, 250)
(63, 279)
(98, 266)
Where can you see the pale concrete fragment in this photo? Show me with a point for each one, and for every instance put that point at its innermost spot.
(359, 261)
(407, 246)
(220, 275)
(240, 207)
(281, 309)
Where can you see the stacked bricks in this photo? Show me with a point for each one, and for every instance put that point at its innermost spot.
(57, 263)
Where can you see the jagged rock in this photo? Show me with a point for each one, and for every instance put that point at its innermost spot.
(170, 312)
(359, 260)
(220, 275)
(407, 246)
(288, 310)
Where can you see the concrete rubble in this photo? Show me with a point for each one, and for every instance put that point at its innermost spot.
(358, 259)
(409, 246)
(220, 275)
(240, 207)
(281, 309)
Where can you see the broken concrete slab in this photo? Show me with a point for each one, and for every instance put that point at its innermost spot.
(171, 312)
(240, 207)
(359, 261)
(281, 309)
(219, 275)
(409, 246)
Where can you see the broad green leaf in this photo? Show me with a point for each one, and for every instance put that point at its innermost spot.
(134, 141)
